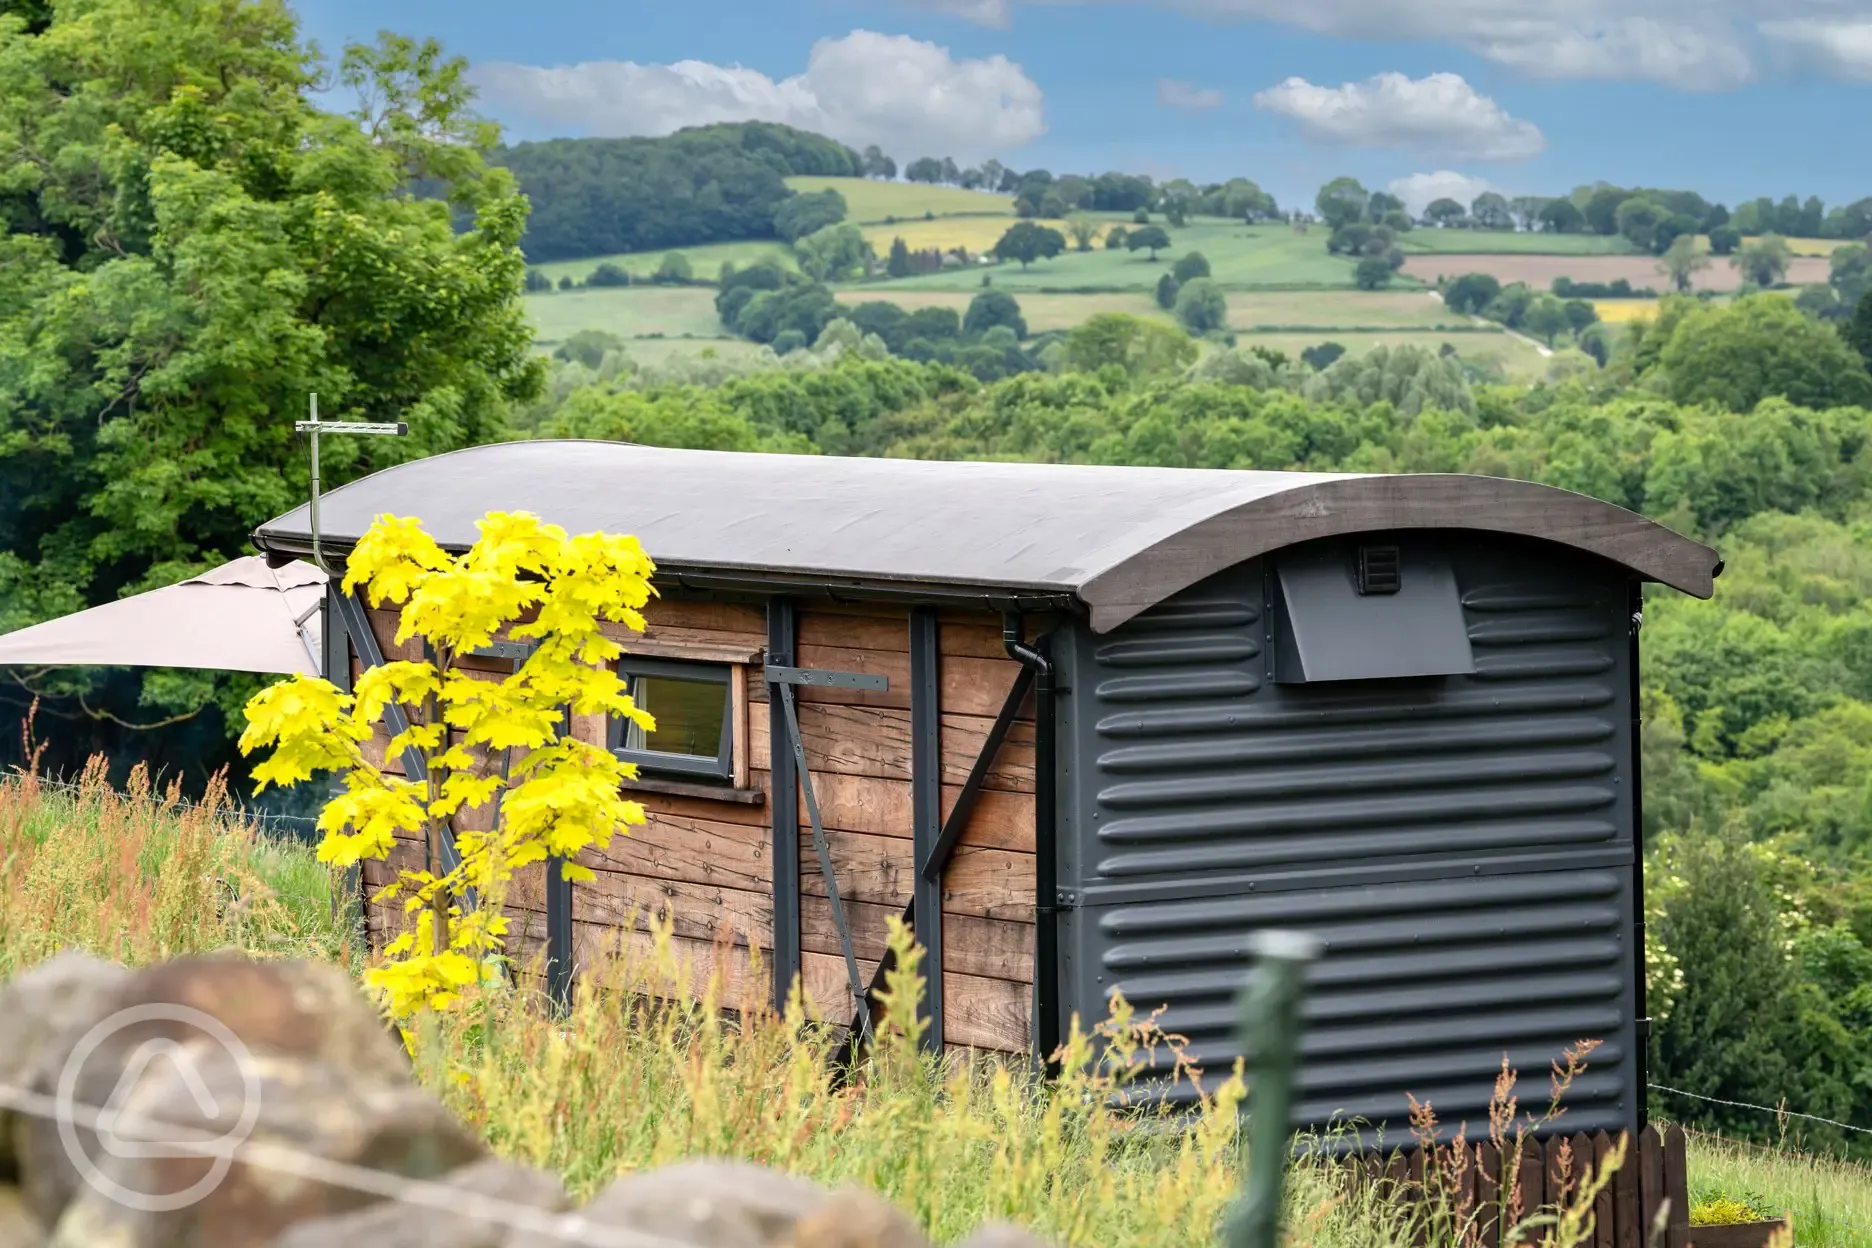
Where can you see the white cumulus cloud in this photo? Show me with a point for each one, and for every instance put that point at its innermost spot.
(1692, 44)
(1186, 97)
(995, 13)
(906, 95)
(1419, 189)
(1842, 49)
(1438, 113)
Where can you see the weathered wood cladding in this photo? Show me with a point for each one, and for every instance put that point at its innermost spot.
(708, 862)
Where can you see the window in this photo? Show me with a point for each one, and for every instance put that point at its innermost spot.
(693, 705)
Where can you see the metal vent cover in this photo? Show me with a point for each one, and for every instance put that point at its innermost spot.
(1380, 570)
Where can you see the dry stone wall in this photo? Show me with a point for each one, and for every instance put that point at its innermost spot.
(260, 1104)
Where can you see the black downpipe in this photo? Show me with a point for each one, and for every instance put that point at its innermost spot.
(1635, 602)
(1046, 868)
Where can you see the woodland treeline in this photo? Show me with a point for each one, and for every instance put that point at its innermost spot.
(193, 245)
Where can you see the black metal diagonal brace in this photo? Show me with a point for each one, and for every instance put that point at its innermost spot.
(932, 868)
(781, 680)
(396, 721)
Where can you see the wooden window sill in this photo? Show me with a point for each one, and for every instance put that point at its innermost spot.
(688, 788)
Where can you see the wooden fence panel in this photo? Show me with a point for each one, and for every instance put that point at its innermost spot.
(1604, 1223)
(1677, 1189)
(1650, 1180)
(1488, 1195)
(1548, 1176)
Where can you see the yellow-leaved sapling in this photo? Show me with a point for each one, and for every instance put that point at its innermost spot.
(482, 740)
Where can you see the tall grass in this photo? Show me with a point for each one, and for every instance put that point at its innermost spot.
(648, 1068)
(140, 876)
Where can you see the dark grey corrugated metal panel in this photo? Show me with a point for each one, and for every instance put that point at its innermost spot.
(1506, 788)
(1426, 986)
(1120, 538)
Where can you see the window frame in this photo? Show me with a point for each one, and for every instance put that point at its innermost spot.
(720, 767)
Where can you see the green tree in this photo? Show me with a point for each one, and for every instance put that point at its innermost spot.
(899, 264)
(1201, 307)
(1321, 357)
(800, 215)
(992, 308)
(673, 270)
(1490, 211)
(1372, 273)
(605, 273)
(1027, 241)
(1738, 354)
(1341, 202)
(834, 253)
(1857, 332)
(1189, 266)
(537, 282)
(1139, 347)
(1682, 261)
(1148, 238)
(1471, 293)
(1724, 239)
(195, 245)
(1561, 216)
(1083, 230)
(1167, 287)
(1764, 261)
(1849, 272)
(1445, 213)
(588, 347)
(1546, 318)
(1117, 238)
(1638, 220)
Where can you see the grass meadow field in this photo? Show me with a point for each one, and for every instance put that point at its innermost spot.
(627, 311)
(705, 261)
(977, 234)
(632, 1080)
(1240, 257)
(1540, 270)
(868, 201)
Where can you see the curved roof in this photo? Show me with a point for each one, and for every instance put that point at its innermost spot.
(1118, 539)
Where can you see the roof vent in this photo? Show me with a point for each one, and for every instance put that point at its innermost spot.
(1378, 570)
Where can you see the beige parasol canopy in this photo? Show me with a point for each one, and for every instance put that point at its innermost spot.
(240, 617)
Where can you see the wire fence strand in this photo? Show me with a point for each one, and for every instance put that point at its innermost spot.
(1766, 1109)
(567, 1228)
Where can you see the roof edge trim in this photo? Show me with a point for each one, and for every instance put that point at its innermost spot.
(1396, 501)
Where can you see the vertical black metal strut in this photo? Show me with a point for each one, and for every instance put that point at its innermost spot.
(1046, 857)
(930, 868)
(1641, 1019)
(782, 632)
(357, 624)
(558, 915)
(926, 813)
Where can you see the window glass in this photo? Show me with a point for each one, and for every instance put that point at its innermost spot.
(689, 715)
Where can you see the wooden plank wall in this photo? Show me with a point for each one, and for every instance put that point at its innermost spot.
(709, 861)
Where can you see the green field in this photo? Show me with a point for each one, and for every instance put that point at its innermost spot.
(1513, 243)
(1240, 256)
(869, 201)
(627, 311)
(706, 261)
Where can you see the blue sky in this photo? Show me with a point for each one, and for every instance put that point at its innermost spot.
(1735, 98)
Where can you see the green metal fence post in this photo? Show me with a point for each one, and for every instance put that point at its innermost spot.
(1270, 1016)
